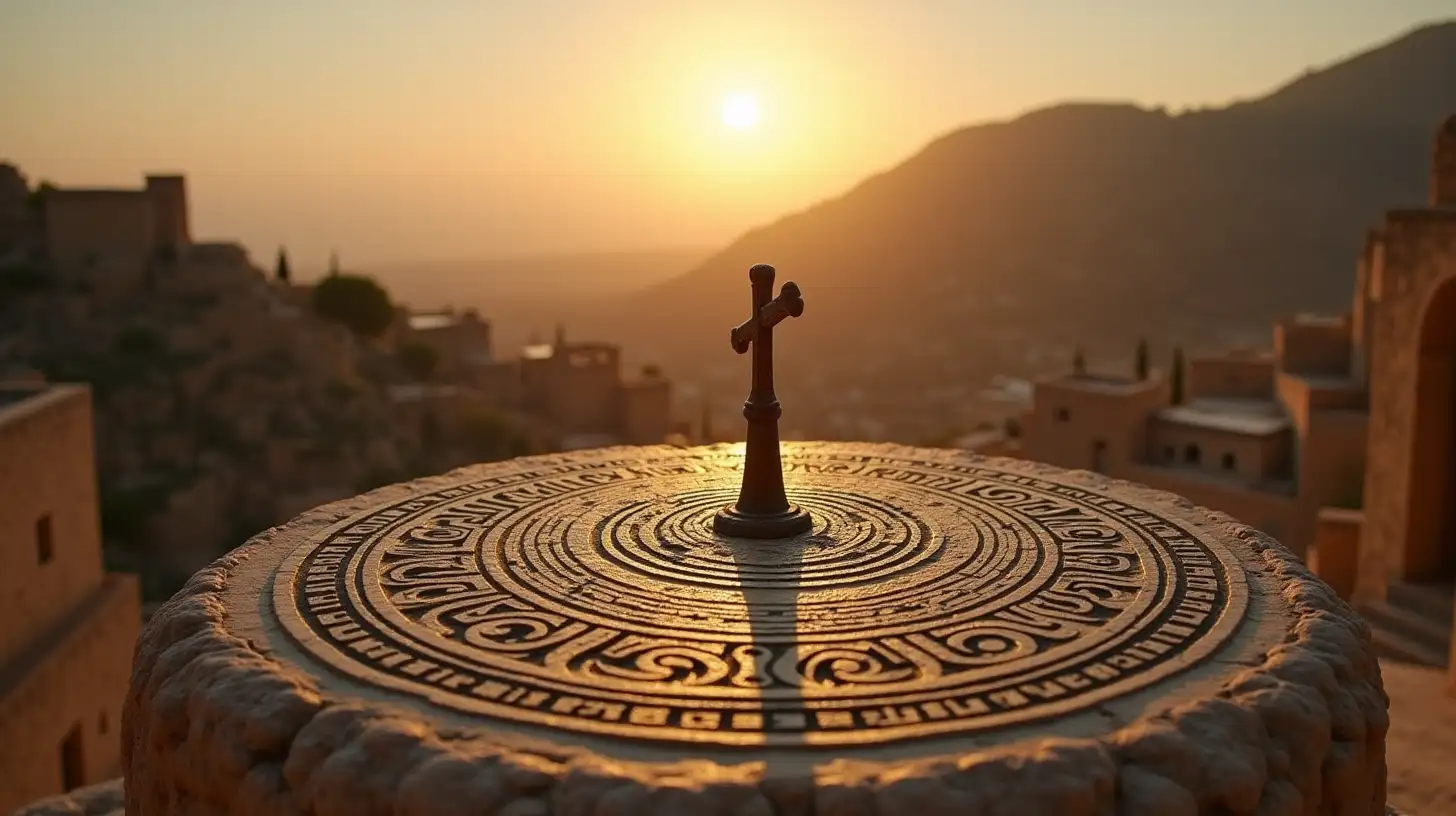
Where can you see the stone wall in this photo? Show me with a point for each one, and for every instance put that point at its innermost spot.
(1283, 517)
(584, 388)
(168, 195)
(66, 631)
(646, 411)
(1231, 377)
(48, 485)
(1443, 166)
(1318, 348)
(1336, 553)
(71, 691)
(1254, 458)
(1332, 461)
(1416, 255)
(88, 227)
(1068, 419)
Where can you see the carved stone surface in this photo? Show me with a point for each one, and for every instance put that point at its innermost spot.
(596, 597)
(565, 633)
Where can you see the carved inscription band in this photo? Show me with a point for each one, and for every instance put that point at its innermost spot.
(596, 597)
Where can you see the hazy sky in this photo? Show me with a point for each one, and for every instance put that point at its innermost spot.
(439, 129)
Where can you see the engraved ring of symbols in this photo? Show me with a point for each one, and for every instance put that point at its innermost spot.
(928, 599)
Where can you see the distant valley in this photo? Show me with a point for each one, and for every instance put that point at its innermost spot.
(1000, 247)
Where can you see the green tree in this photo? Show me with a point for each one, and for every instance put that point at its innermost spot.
(356, 301)
(282, 272)
(1144, 367)
(420, 360)
(1079, 362)
(1177, 376)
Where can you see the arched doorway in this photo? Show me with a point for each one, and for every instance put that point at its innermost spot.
(1430, 546)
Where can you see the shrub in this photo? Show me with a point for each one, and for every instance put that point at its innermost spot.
(357, 302)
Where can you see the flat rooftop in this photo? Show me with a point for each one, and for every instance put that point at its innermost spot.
(1327, 382)
(1101, 383)
(1251, 417)
(1310, 319)
(18, 399)
(431, 320)
(96, 192)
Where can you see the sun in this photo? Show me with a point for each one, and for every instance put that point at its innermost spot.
(740, 111)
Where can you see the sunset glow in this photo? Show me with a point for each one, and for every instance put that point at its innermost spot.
(740, 111)
(640, 123)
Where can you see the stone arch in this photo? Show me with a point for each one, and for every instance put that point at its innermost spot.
(1430, 541)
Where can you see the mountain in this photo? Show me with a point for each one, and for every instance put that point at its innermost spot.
(1383, 82)
(1000, 247)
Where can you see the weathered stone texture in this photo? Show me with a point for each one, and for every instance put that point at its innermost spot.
(104, 799)
(1415, 255)
(218, 722)
(67, 628)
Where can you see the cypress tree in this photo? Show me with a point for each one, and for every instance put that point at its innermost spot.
(1177, 381)
(282, 271)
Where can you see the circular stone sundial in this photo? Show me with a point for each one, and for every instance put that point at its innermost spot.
(756, 630)
(573, 626)
(595, 597)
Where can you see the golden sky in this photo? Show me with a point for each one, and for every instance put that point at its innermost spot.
(447, 129)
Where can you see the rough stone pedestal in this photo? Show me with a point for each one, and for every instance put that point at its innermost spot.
(567, 634)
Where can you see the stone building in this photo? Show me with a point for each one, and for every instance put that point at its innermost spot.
(1270, 438)
(575, 392)
(119, 228)
(462, 340)
(1406, 562)
(67, 628)
(1341, 442)
(579, 389)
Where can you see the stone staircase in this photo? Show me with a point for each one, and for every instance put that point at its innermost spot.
(1413, 623)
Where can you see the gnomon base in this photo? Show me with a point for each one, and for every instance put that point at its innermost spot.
(730, 521)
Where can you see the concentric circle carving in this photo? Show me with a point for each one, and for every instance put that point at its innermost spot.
(928, 598)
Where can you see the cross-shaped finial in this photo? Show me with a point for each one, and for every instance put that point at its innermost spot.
(763, 509)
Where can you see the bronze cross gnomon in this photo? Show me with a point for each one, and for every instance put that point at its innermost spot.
(763, 509)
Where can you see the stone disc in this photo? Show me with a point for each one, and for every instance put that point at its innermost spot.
(927, 598)
(940, 605)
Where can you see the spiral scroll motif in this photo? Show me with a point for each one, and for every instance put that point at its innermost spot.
(928, 598)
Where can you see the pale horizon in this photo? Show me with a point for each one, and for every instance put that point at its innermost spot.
(455, 131)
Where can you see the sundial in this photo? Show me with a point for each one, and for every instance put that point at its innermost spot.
(721, 626)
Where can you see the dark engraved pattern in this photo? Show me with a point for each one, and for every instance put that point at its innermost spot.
(928, 598)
